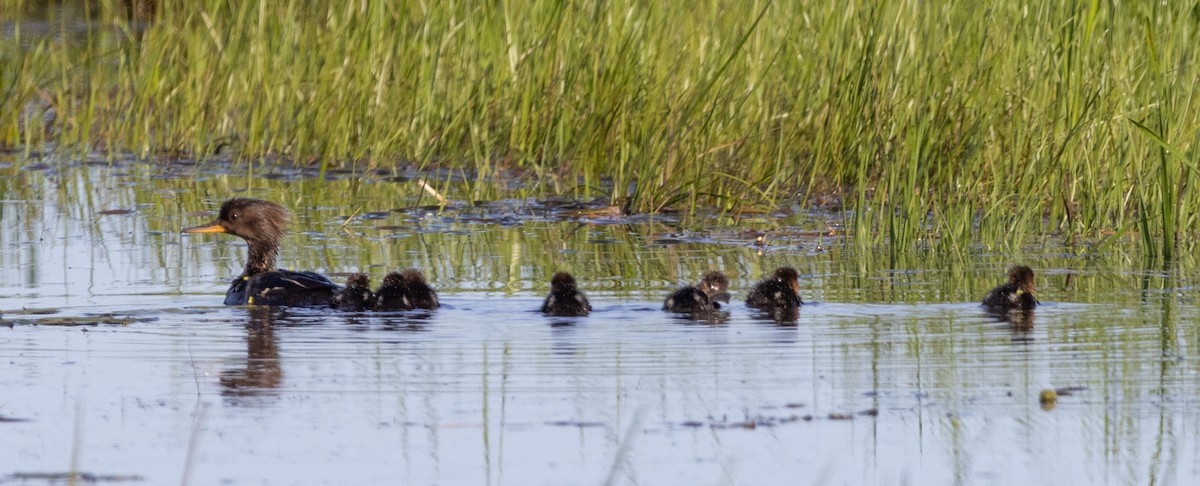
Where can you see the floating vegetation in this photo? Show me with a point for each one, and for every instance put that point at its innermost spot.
(84, 320)
(74, 477)
(1048, 399)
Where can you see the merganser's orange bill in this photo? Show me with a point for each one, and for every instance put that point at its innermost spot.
(213, 227)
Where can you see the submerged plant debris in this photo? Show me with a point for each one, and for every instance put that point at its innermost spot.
(74, 477)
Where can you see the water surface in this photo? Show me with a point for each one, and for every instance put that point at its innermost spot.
(121, 364)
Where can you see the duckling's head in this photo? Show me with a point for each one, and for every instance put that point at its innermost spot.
(716, 286)
(788, 276)
(1021, 277)
(253, 220)
(358, 281)
(413, 275)
(393, 279)
(562, 281)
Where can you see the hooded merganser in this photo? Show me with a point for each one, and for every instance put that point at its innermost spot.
(405, 290)
(262, 224)
(357, 295)
(565, 299)
(782, 292)
(701, 298)
(1017, 294)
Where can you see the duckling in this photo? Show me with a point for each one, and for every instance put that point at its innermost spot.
(417, 292)
(262, 225)
(704, 297)
(405, 290)
(565, 299)
(1017, 294)
(357, 295)
(781, 292)
(390, 294)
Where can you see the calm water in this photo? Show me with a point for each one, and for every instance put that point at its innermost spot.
(119, 361)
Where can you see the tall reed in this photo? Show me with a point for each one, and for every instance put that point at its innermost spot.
(938, 126)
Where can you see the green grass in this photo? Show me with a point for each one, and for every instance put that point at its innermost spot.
(939, 125)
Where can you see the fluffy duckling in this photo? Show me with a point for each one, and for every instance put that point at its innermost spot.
(1017, 294)
(357, 295)
(565, 299)
(704, 297)
(405, 290)
(418, 292)
(781, 292)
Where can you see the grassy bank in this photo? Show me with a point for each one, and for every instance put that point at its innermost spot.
(936, 124)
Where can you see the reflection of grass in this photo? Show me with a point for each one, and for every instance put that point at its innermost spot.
(945, 123)
(477, 249)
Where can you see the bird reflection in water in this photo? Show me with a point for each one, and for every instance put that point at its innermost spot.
(564, 338)
(782, 316)
(409, 321)
(1019, 322)
(260, 374)
(716, 317)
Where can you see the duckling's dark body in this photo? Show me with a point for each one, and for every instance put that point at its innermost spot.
(405, 290)
(689, 300)
(390, 295)
(705, 297)
(1017, 294)
(357, 295)
(418, 292)
(565, 299)
(262, 224)
(781, 292)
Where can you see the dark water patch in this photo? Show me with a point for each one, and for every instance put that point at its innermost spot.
(374, 215)
(574, 423)
(1067, 391)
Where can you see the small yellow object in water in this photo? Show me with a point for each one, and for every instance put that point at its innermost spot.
(1048, 397)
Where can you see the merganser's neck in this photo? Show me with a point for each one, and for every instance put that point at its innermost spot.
(262, 257)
